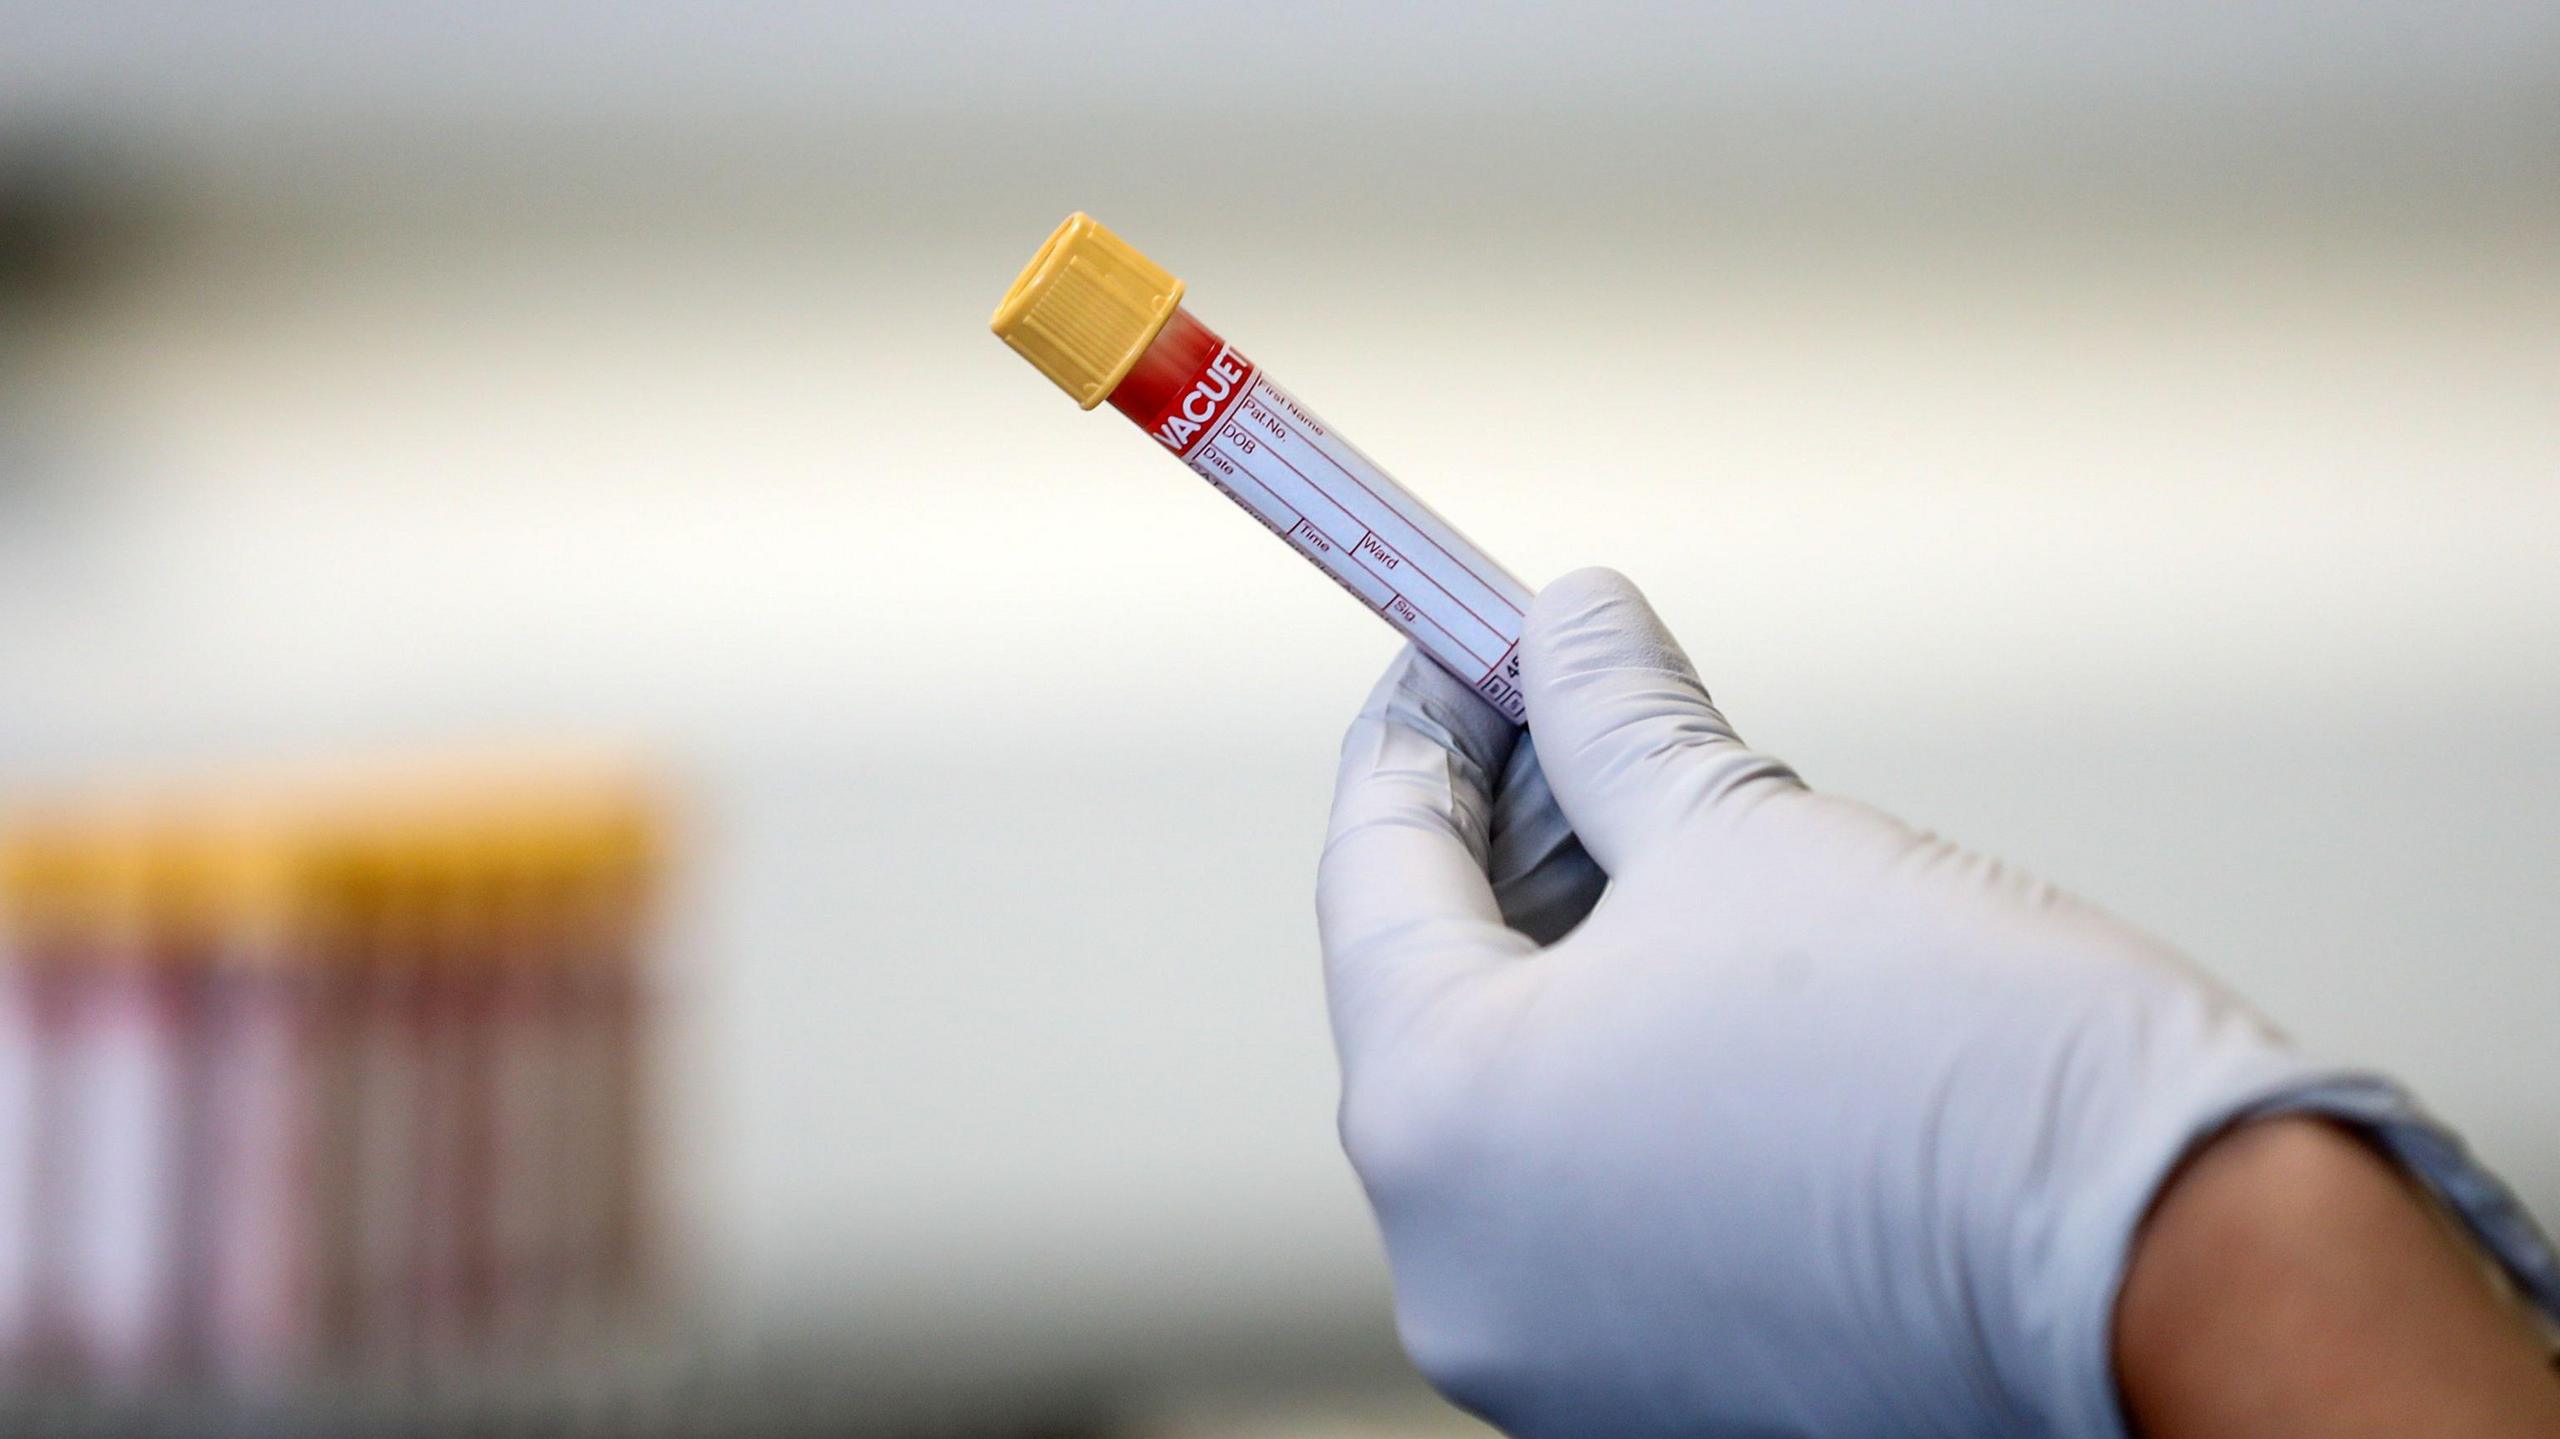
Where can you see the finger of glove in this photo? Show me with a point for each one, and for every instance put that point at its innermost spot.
(1402, 898)
(1543, 878)
(1626, 734)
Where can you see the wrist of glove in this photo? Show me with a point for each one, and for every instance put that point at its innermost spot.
(1690, 1098)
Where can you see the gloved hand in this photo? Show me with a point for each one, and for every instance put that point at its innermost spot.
(1812, 1123)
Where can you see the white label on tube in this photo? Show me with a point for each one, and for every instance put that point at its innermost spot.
(126, 1070)
(21, 1095)
(1271, 455)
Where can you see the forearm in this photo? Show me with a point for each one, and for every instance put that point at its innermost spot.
(2290, 1282)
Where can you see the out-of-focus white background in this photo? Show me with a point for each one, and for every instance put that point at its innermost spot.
(2128, 440)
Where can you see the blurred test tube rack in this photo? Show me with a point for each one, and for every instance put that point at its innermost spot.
(326, 1081)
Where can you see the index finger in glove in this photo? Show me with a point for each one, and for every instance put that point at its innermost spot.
(1402, 898)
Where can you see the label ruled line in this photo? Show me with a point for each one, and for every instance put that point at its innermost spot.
(1255, 378)
(1360, 553)
(1351, 556)
(1423, 617)
(1245, 471)
(1415, 572)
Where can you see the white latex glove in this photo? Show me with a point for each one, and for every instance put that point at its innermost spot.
(1815, 1124)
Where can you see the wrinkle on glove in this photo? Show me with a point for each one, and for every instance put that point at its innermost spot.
(1691, 1101)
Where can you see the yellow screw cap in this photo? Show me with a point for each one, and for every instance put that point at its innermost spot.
(1085, 308)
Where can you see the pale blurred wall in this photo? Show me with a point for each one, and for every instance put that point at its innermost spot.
(2128, 440)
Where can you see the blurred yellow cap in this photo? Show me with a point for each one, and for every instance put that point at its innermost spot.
(1085, 308)
(216, 872)
(76, 870)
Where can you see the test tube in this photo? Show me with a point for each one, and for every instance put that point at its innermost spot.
(1106, 323)
(40, 939)
(265, 1052)
(529, 1079)
(392, 1135)
(130, 1061)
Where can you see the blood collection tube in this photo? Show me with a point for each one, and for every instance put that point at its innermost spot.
(40, 940)
(130, 1060)
(257, 1202)
(1105, 322)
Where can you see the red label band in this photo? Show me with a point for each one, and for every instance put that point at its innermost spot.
(1185, 381)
